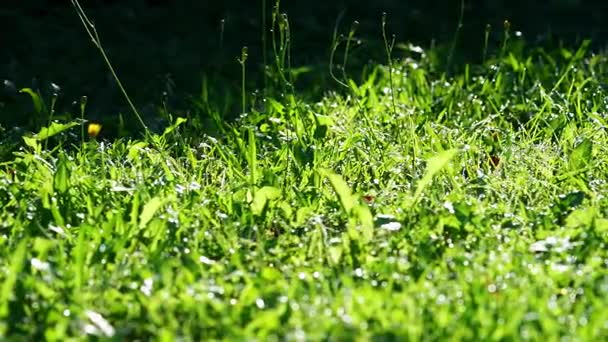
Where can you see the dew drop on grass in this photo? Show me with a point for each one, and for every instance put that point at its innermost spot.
(40, 265)
(391, 226)
(100, 325)
(206, 260)
(441, 299)
(335, 241)
(449, 207)
(388, 222)
(58, 230)
(552, 243)
(146, 287)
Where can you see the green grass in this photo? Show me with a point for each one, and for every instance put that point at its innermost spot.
(411, 205)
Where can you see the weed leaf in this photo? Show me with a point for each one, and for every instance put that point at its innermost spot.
(36, 100)
(177, 123)
(61, 181)
(580, 157)
(601, 225)
(33, 143)
(54, 129)
(347, 200)
(366, 221)
(434, 165)
(262, 197)
(581, 218)
(135, 150)
(149, 210)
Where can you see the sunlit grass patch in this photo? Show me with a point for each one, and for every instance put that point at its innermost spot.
(432, 206)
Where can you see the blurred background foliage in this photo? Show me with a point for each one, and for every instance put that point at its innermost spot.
(163, 49)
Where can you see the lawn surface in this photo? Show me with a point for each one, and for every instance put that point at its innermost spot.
(410, 204)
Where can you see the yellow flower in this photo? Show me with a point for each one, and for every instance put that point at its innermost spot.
(93, 129)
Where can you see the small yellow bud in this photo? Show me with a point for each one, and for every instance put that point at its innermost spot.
(93, 129)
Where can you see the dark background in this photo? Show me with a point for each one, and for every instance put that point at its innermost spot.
(162, 46)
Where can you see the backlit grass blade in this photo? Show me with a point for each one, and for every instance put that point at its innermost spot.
(61, 180)
(581, 155)
(36, 100)
(261, 198)
(10, 280)
(434, 165)
(347, 200)
(54, 129)
(149, 210)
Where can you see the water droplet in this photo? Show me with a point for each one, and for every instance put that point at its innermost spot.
(40, 265)
(391, 226)
(146, 288)
(206, 260)
(100, 324)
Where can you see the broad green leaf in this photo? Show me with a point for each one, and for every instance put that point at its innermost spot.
(434, 165)
(580, 218)
(54, 129)
(149, 210)
(135, 149)
(177, 123)
(347, 200)
(601, 225)
(156, 230)
(61, 180)
(366, 221)
(262, 197)
(580, 157)
(33, 143)
(324, 120)
(36, 100)
(276, 106)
